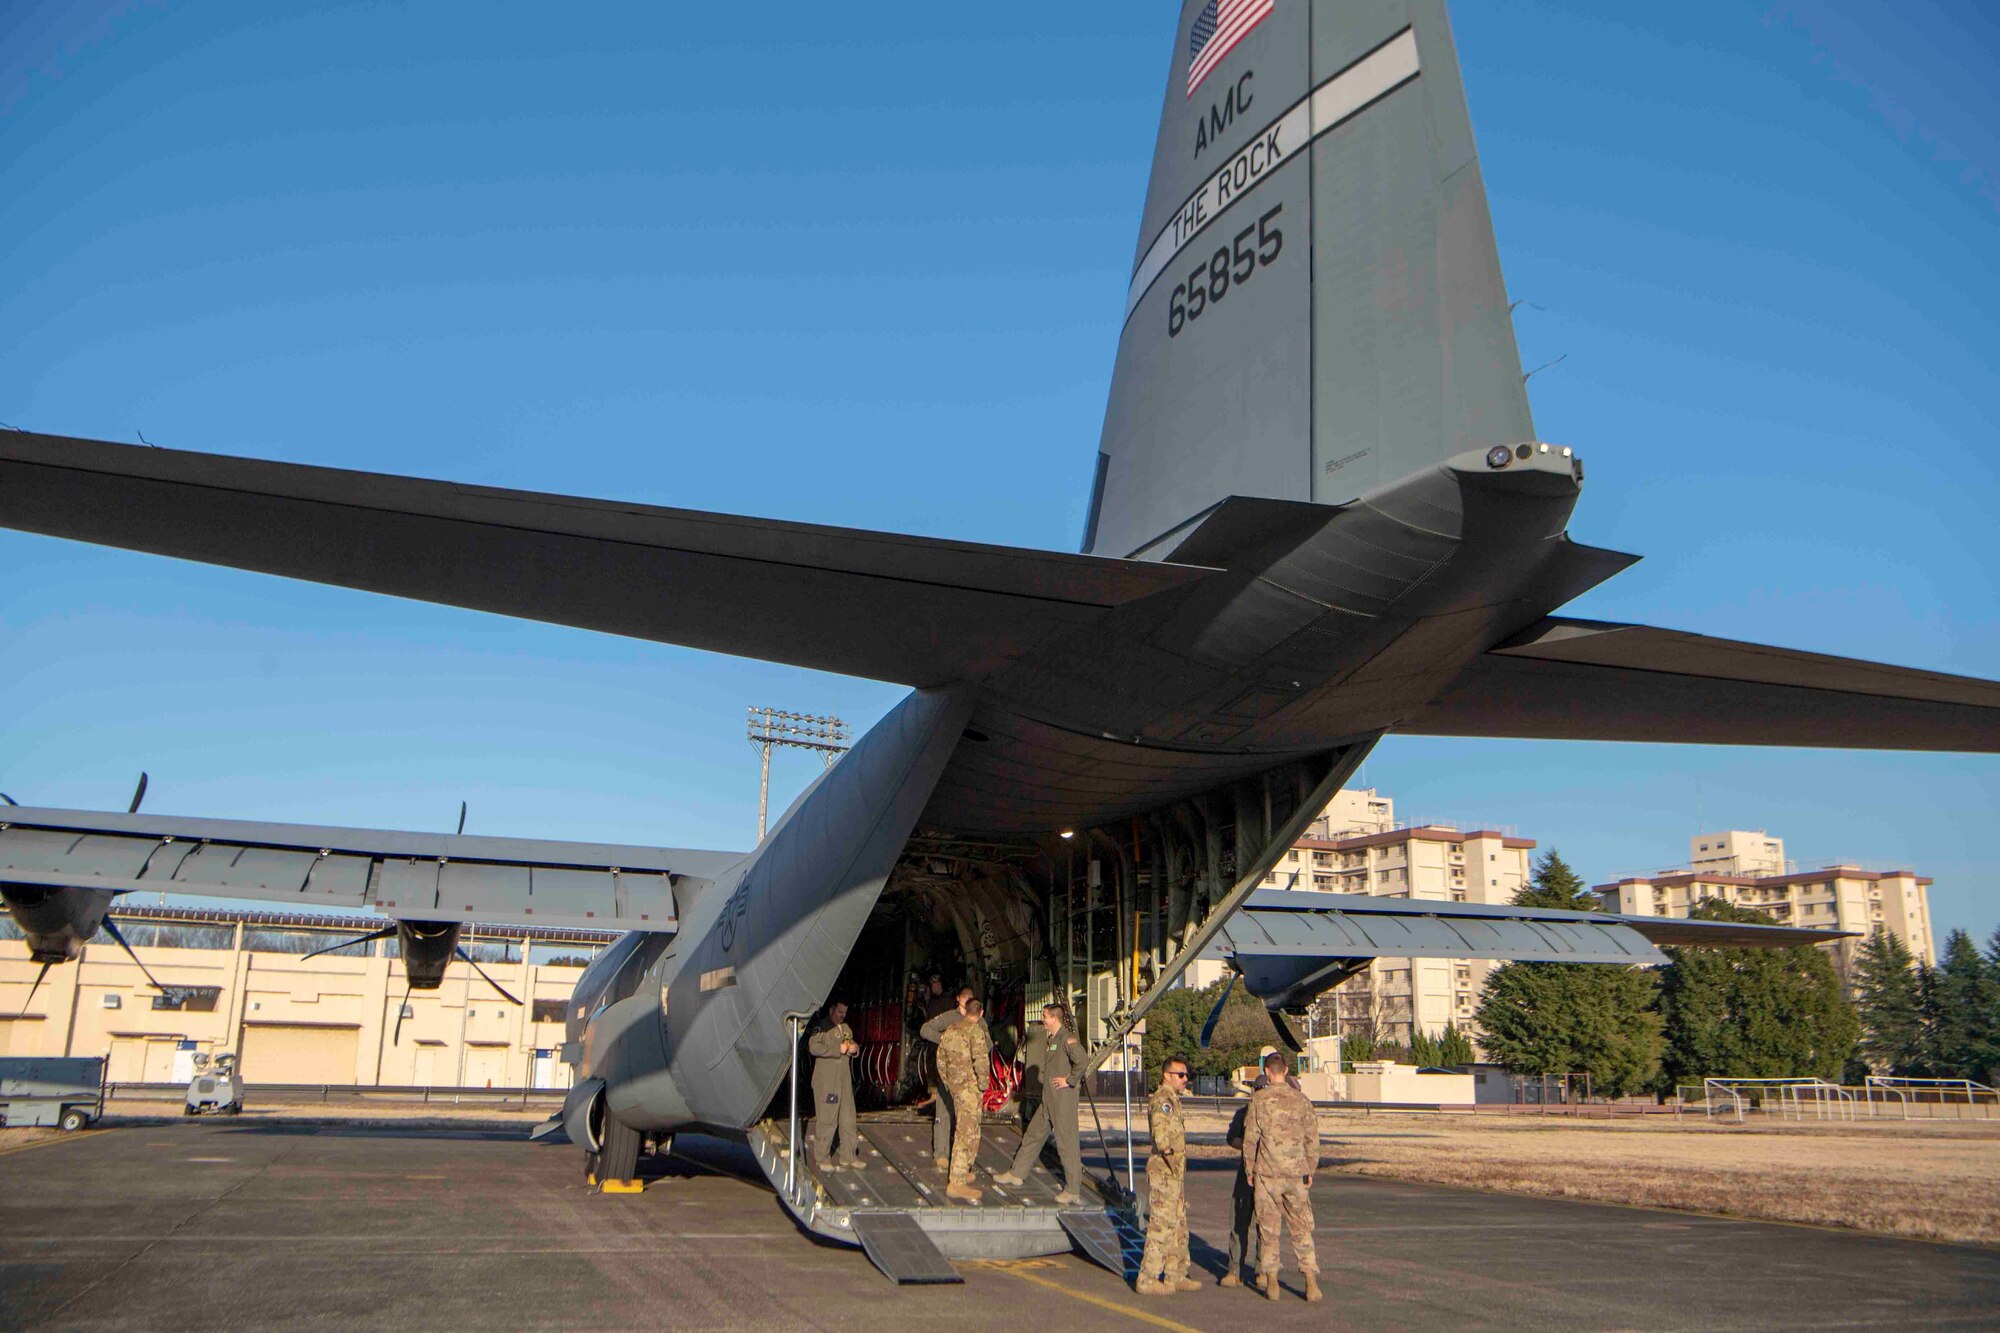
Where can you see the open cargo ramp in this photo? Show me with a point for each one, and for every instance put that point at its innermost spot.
(899, 1179)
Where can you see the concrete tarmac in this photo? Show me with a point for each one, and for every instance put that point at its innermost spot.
(299, 1224)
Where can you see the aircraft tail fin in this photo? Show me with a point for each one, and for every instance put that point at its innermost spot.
(1316, 307)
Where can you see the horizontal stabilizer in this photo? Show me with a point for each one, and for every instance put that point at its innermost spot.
(1291, 945)
(1569, 679)
(407, 876)
(914, 610)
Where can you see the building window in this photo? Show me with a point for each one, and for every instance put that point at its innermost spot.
(549, 1011)
(194, 999)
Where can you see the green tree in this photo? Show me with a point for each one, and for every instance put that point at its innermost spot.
(1423, 1051)
(1965, 1034)
(1554, 884)
(1173, 1027)
(1359, 1046)
(1752, 1013)
(1892, 1014)
(1563, 1018)
(1449, 1047)
(1454, 1047)
(1930, 1061)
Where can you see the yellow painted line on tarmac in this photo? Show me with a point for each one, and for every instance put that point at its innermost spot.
(1020, 1268)
(59, 1138)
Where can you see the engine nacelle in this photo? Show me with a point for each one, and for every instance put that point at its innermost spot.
(428, 948)
(57, 922)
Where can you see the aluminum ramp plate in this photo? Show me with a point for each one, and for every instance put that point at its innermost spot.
(1109, 1239)
(898, 1246)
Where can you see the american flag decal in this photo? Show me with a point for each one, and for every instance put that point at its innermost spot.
(1217, 29)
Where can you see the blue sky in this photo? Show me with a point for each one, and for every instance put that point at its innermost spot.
(872, 275)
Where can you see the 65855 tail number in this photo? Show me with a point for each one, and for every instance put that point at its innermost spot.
(1230, 266)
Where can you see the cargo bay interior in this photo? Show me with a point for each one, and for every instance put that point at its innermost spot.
(1096, 918)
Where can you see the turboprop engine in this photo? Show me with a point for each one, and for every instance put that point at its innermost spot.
(55, 921)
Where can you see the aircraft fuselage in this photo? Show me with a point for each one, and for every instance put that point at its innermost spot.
(1329, 624)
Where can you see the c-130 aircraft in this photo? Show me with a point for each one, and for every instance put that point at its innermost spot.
(1320, 514)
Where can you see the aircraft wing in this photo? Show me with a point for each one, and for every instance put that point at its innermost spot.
(408, 876)
(1291, 945)
(1567, 679)
(913, 610)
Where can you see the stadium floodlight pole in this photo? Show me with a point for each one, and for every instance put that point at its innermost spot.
(827, 735)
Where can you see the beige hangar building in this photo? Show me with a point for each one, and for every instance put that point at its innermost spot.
(237, 981)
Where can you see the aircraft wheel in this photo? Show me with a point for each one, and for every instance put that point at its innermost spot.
(72, 1120)
(618, 1159)
(187, 1110)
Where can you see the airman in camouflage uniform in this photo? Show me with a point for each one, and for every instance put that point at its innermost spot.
(942, 1011)
(1280, 1153)
(965, 1054)
(1164, 1266)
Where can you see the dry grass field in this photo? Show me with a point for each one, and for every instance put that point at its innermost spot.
(21, 1138)
(1929, 1180)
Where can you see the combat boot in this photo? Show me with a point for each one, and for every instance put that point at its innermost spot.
(1006, 1178)
(1273, 1290)
(1186, 1284)
(1312, 1287)
(1230, 1280)
(1151, 1286)
(941, 1163)
(957, 1191)
(1069, 1197)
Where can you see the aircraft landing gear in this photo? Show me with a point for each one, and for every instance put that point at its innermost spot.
(618, 1157)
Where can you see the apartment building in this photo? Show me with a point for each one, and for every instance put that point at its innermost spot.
(1749, 868)
(1357, 846)
(238, 981)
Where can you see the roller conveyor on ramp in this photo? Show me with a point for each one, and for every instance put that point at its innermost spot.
(894, 1207)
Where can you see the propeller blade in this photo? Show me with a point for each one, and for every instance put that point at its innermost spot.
(1215, 1014)
(401, 1009)
(509, 995)
(138, 795)
(8, 799)
(111, 928)
(1285, 1033)
(382, 934)
(38, 982)
(461, 816)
